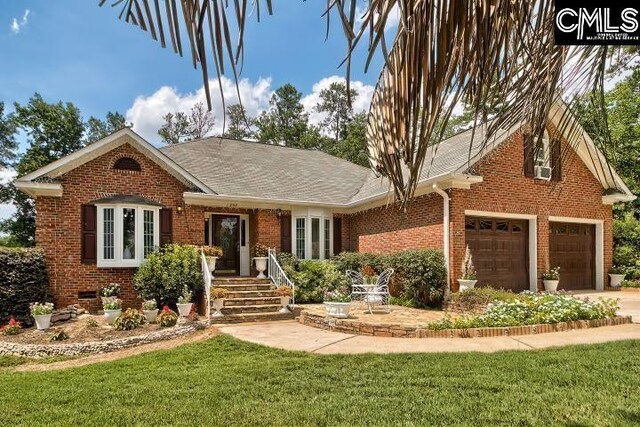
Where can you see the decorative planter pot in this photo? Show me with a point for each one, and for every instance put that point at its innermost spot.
(218, 303)
(111, 315)
(338, 309)
(184, 309)
(150, 315)
(550, 285)
(466, 284)
(211, 262)
(616, 279)
(261, 266)
(43, 321)
(284, 302)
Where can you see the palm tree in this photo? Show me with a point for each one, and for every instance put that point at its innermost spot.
(479, 52)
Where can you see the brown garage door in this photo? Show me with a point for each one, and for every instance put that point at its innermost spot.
(500, 251)
(572, 248)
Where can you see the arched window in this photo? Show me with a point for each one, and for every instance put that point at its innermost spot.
(127, 164)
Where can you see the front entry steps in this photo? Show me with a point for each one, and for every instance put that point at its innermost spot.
(249, 300)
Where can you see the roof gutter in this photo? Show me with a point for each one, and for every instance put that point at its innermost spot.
(446, 231)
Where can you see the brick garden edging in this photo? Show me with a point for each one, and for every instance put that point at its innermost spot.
(76, 349)
(403, 331)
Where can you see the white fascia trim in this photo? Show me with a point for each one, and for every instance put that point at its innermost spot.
(613, 198)
(533, 239)
(43, 189)
(599, 255)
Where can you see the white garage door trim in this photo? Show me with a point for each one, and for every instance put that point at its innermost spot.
(599, 254)
(533, 240)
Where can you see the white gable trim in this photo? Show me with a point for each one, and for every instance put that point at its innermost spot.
(35, 189)
(103, 146)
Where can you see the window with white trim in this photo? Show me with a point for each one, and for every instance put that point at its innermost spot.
(300, 238)
(312, 234)
(127, 234)
(543, 157)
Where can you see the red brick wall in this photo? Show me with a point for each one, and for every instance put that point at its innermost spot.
(388, 229)
(506, 189)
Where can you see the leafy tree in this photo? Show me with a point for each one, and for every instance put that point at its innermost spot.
(53, 131)
(98, 129)
(8, 144)
(239, 125)
(353, 146)
(285, 122)
(339, 112)
(181, 127)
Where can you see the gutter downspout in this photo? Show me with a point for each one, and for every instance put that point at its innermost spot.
(446, 233)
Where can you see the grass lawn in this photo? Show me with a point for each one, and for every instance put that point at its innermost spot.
(224, 381)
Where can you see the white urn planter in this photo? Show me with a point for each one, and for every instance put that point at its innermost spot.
(284, 302)
(338, 309)
(616, 279)
(261, 266)
(466, 284)
(111, 315)
(184, 309)
(43, 321)
(211, 263)
(218, 303)
(551, 285)
(150, 315)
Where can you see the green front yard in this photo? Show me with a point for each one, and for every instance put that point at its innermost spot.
(227, 382)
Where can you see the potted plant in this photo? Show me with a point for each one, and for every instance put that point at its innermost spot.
(150, 310)
(551, 278)
(369, 275)
(285, 293)
(112, 309)
(110, 292)
(217, 296)
(260, 256)
(338, 303)
(167, 317)
(41, 312)
(468, 279)
(212, 253)
(617, 274)
(184, 301)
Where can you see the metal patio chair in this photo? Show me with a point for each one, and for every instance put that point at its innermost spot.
(378, 294)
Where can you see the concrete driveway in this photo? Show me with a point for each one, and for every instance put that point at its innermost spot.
(629, 302)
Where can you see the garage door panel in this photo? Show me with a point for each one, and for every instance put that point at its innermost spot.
(572, 248)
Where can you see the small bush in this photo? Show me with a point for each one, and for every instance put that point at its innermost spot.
(167, 317)
(92, 324)
(59, 336)
(630, 283)
(313, 278)
(129, 320)
(287, 260)
(12, 328)
(163, 274)
(23, 280)
(478, 298)
(420, 276)
(357, 260)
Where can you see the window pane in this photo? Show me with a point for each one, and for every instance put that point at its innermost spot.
(327, 239)
(128, 233)
(148, 233)
(315, 238)
(300, 243)
(108, 250)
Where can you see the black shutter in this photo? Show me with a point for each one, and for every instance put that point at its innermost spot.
(166, 226)
(285, 233)
(556, 159)
(529, 149)
(206, 232)
(337, 235)
(89, 226)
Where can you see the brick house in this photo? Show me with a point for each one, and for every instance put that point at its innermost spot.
(520, 209)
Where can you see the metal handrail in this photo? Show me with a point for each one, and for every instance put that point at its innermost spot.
(278, 276)
(206, 274)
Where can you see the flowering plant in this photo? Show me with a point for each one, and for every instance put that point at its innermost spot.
(186, 296)
(150, 304)
(468, 269)
(284, 291)
(115, 304)
(12, 328)
(218, 293)
(39, 309)
(552, 274)
(111, 290)
(617, 269)
(260, 250)
(338, 295)
(215, 251)
(167, 317)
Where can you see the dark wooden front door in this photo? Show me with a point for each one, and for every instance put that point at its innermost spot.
(226, 234)
(572, 248)
(499, 248)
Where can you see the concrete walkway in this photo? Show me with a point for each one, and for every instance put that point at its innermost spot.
(290, 335)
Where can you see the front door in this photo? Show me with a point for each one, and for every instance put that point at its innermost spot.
(226, 233)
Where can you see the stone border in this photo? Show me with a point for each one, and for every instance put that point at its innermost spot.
(76, 349)
(403, 331)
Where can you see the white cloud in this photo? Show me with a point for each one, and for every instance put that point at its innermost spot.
(393, 19)
(16, 25)
(360, 103)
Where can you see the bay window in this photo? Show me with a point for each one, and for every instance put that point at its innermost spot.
(127, 234)
(311, 229)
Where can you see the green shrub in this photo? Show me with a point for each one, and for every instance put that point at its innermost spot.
(129, 320)
(287, 260)
(356, 260)
(630, 283)
(167, 317)
(313, 278)
(420, 276)
(164, 274)
(23, 280)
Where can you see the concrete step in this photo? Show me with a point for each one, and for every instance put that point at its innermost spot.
(245, 287)
(239, 281)
(251, 317)
(240, 302)
(245, 309)
(251, 294)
